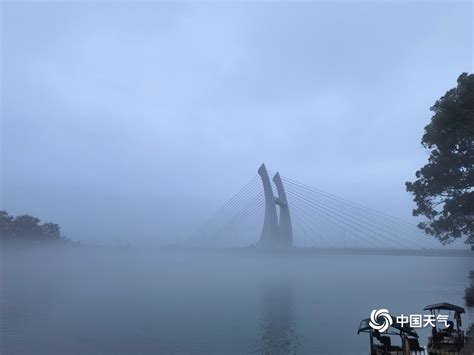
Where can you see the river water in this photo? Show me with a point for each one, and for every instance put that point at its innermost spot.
(130, 301)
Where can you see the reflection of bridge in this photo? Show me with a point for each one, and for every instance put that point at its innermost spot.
(278, 334)
(300, 215)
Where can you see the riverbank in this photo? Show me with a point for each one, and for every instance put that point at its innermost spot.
(468, 348)
(469, 298)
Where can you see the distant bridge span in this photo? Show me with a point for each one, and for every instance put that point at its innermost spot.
(281, 213)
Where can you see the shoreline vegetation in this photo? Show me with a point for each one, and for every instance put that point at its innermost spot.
(469, 300)
(26, 230)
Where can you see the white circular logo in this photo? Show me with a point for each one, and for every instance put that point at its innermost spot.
(380, 320)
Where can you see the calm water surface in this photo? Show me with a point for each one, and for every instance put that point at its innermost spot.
(105, 301)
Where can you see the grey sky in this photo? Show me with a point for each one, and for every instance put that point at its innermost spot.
(122, 120)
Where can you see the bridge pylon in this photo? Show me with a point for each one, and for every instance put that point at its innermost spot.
(277, 231)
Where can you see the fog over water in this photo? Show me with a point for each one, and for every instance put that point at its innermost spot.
(129, 301)
(121, 119)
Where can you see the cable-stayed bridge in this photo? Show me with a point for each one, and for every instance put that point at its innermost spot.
(281, 212)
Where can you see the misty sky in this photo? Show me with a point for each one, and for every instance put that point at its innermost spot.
(135, 121)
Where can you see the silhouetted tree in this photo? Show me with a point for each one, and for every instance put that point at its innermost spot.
(51, 231)
(6, 225)
(444, 189)
(27, 228)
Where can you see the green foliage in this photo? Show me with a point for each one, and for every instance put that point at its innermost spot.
(444, 189)
(27, 228)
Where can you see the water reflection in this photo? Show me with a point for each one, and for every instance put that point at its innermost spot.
(25, 304)
(99, 301)
(278, 335)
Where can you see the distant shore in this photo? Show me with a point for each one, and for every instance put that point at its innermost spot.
(293, 251)
(336, 251)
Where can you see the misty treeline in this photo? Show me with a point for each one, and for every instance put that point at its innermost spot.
(28, 229)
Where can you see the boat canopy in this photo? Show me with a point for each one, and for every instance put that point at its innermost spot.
(364, 327)
(444, 306)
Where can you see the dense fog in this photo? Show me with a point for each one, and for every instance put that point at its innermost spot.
(133, 122)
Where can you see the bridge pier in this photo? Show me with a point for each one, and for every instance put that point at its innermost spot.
(270, 222)
(285, 230)
(276, 232)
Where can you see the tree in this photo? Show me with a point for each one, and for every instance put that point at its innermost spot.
(50, 231)
(444, 189)
(6, 225)
(26, 228)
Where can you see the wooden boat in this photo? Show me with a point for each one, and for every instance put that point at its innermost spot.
(446, 340)
(396, 340)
